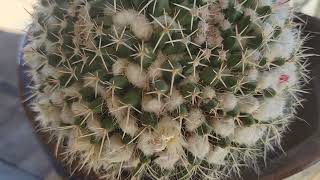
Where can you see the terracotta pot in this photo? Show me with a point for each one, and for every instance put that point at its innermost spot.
(301, 144)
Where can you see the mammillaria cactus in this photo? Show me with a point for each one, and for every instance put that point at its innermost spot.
(165, 89)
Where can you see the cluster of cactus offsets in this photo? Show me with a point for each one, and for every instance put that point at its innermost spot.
(165, 89)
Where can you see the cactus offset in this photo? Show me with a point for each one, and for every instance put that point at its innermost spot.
(174, 89)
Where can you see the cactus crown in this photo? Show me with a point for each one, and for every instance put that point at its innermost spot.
(174, 89)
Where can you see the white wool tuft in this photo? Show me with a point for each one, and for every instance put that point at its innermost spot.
(209, 93)
(253, 55)
(48, 70)
(95, 126)
(78, 108)
(170, 132)
(113, 106)
(72, 91)
(199, 146)
(129, 126)
(267, 30)
(136, 76)
(57, 98)
(270, 109)
(217, 155)
(224, 127)
(226, 25)
(142, 28)
(78, 144)
(248, 135)
(280, 15)
(252, 14)
(223, 3)
(174, 101)
(265, 80)
(48, 114)
(265, 3)
(285, 76)
(67, 116)
(192, 79)
(248, 104)
(149, 143)
(284, 47)
(132, 163)
(252, 75)
(201, 36)
(194, 119)
(116, 151)
(124, 17)
(168, 128)
(154, 71)
(33, 60)
(167, 160)
(150, 104)
(228, 101)
(279, 78)
(118, 68)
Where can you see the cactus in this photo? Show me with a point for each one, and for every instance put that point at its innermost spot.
(165, 89)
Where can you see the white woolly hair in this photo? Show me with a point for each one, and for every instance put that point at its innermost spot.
(31, 59)
(248, 135)
(48, 114)
(67, 115)
(270, 108)
(224, 127)
(170, 132)
(114, 107)
(194, 119)
(228, 101)
(115, 151)
(95, 126)
(225, 25)
(125, 17)
(168, 128)
(198, 145)
(150, 104)
(265, 3)
(140, 25)
(92, 80)
(274, 78)
(280, 14)
(154, 71)
(150, 143)
(252, 75)
(142, 28)
(57, 98)
(248, 104)
(72, 91)
(78, 144)
(217, 155)
(167, 159)
(119, 66)
(284, 47)
(190, 79)
(79, 108)
(129, 126)
(174, 101)
(136, 76)
(50, 71)
(209, 93)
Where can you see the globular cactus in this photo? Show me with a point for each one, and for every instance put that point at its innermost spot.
(165, 89)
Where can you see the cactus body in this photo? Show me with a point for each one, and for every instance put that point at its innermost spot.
(173, 89)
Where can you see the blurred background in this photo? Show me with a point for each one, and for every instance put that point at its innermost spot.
(21, 157)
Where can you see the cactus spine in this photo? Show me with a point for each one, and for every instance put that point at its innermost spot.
(168, 89)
